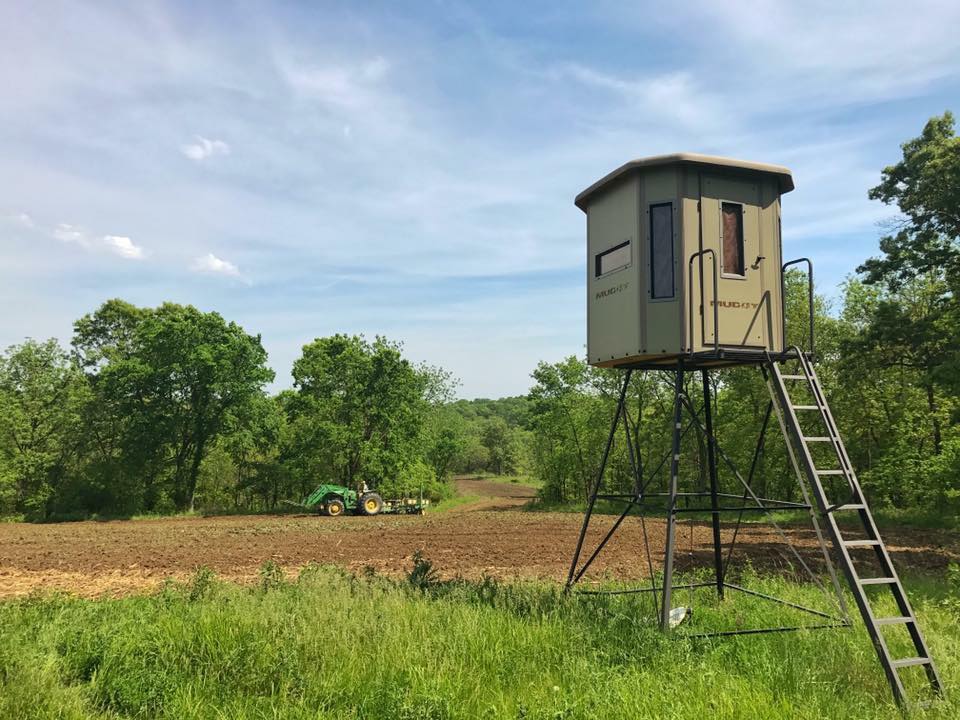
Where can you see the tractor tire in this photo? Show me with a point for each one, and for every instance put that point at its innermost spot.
(334, 507)
(370, 504)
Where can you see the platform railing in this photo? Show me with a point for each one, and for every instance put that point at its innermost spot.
(783, 298)
(716, 305)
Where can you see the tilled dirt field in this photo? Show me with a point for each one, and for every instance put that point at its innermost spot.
(494, 537)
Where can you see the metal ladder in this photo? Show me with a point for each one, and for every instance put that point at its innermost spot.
(856, 503)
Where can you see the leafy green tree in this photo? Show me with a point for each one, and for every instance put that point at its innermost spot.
(501, 443)
(124, 460)
(920, 265)
(473, 456)
(914, 328)
(41, 396)
(925, 186)
(175, 375)
(916, 317)
(253, 440)
(359, 410)
(445, 440)
(571, 408)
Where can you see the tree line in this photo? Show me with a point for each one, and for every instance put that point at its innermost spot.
(162, 410)
(159, 410)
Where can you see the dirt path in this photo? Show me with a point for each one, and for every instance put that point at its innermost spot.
(492, 495)
(495, 537)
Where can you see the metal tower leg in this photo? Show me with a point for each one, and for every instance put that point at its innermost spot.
(712, 465)
(571, 577)
(672, 502)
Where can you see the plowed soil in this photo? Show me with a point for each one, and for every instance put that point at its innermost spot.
(498, 536)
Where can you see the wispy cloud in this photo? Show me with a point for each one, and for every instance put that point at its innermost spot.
(71, 234)
(348, 85)
(673, 96)
(203, 148)
(123, 246)
(210, 264)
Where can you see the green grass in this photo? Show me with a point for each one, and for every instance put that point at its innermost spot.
(511, 479)
(602, 507)
(885, 518)
(454, 502)
(516, 480)
(330, 645)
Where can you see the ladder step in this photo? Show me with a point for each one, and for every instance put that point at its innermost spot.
(829, 472)
(907, 662)
(861, 543)
(878, 581)
(794, 377)
(894, 620)
(817, 439)
(848, 506)
(805, 407)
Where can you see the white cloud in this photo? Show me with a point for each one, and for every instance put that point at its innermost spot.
(71, 234)
(117, 244)
(204, 148)
(123, 246)
(212, 265)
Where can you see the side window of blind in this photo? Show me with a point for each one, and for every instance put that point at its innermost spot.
(662, 282)
(732, 229)
(616, 258)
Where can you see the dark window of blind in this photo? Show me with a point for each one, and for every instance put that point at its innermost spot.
(661, 251)
(732, 239)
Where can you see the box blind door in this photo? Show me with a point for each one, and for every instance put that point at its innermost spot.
(730, 215)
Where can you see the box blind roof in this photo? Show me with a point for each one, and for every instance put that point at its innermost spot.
(782, 174)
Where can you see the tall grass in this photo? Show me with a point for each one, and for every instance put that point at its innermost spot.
(331, 645)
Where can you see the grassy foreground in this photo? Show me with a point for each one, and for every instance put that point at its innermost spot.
(329, 645)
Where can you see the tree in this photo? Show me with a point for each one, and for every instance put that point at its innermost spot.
(174, 375)
(571, 409)
(916, 319)
(925, 186)
(445, 440)
(915, 328)
(500, 440)
(41, 393)
(359, 410)
(253, 439)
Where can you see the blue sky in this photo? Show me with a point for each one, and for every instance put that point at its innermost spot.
(409, 169)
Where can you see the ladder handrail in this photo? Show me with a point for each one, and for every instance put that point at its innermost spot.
(816, 389)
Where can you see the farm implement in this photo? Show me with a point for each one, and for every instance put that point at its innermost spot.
(334, 500)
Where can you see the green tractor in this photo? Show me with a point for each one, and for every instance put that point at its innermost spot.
(334, 500)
